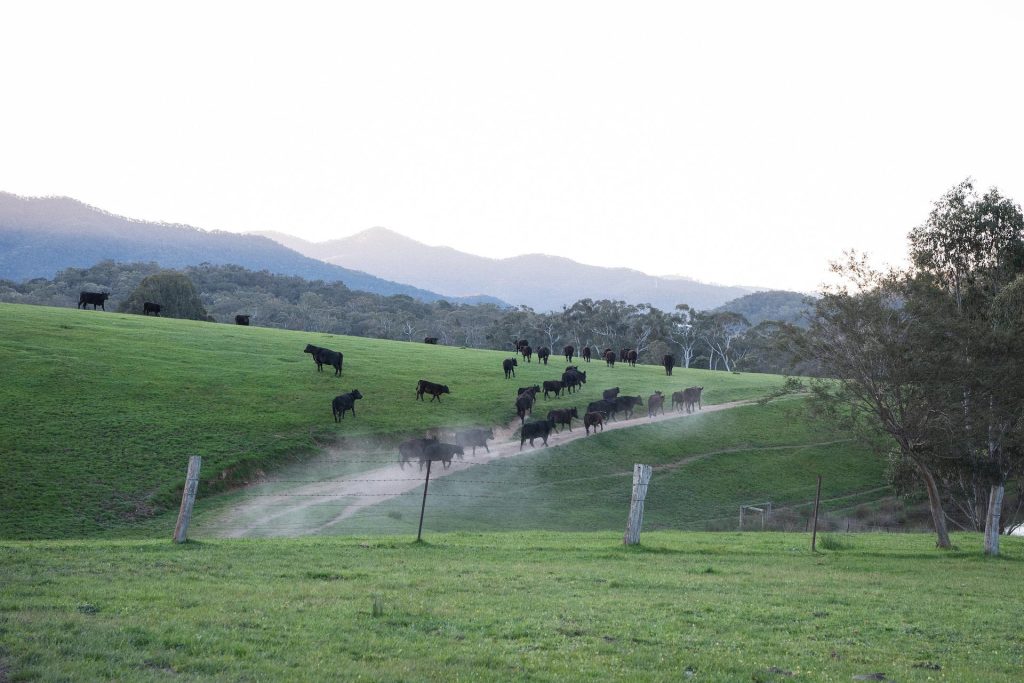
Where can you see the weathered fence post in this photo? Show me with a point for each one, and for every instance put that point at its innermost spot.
(814, 527)
(641, 477)
(188, 497)
(423, 507)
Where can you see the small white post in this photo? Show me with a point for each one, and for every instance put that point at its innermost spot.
(641, 478)
(188, 497)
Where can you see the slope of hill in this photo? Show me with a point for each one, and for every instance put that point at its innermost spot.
(102, 410)
(42, 235)
(542, 282)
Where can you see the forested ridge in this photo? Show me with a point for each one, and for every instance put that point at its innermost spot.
(719, 339)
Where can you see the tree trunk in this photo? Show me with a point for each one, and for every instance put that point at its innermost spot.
(935, 504)
(995, 508)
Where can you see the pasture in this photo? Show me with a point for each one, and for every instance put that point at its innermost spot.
(102, 409)
(508, 607)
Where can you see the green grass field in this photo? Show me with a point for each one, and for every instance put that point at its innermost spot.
(101, 410)
(512, 606)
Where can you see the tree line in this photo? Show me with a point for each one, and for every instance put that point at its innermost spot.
(718, 340)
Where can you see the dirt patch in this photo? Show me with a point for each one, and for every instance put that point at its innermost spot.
(384, 483)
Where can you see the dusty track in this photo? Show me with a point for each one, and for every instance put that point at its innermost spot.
(384, 483)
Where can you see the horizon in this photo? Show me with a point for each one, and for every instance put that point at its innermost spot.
(724, 146)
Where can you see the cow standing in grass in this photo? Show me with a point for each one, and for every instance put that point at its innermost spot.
(435, 390)
(586, 353)
(150, 307)
(669, 361)
(94, 298)
(569, 351)
(509, 365)
(344, 403)
(322, 356)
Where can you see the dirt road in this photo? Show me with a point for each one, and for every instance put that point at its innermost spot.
(384, 483)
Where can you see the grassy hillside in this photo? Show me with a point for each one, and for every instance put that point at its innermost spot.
(101, 410)
(509, 607)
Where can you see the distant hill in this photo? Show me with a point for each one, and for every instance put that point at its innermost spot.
(790, 307)
(544, 283)
(40, 236)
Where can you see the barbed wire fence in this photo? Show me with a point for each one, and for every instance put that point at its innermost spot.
(375, 496)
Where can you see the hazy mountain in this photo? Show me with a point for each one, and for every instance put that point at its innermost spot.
(542, 282)
(42, 235)
(790, 307)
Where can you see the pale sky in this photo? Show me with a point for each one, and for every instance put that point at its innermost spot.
(738, 143)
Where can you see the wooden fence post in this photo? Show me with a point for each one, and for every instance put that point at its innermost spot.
(188, 497)
(641, 477)
(423, 507)
(814, 527)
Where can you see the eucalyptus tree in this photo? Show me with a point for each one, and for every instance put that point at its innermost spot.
(682, 331)
(972, 249)
(864, 336)
(722, 332)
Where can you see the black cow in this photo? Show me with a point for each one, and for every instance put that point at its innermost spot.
(527, 352)
(609, 394)
(609, 358)
(412, 449)
(440, 451)
(594, 420)
(631, 357)
(554, 386)
(241, 320)
(524, 405)
(586, 353)
(345, 402)
(692, 395)
(323, 356)
(678, 399)
(625, 404)
(569, 351)
(474, 437)
(430, 340)
(150, 307)
(435, 390)
(532, 391)
(654, 402)
(520, 343)
(542, 354)
(509, 364)
(94, 298)
(607, 408)
(623, 355)
(563, 416)
(669, 362)
(573, 378)
(535, 430)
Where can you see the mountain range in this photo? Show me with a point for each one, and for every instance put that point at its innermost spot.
(40, 236)
(544, 283)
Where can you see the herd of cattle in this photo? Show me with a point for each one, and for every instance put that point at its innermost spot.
(431, 448)
(148, 307)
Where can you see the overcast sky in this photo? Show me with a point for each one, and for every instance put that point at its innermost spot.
(739, 143)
